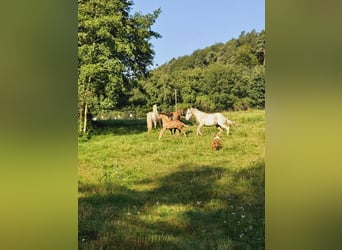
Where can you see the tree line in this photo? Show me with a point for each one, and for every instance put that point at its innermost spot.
(115, 54)
(223, 76)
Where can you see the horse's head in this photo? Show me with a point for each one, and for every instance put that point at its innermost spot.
(180, 112)
(188, 114)
(231, 123)
(154, 108)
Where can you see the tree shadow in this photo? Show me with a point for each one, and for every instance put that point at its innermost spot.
(123, 126)
(196, 207)
(119, 127)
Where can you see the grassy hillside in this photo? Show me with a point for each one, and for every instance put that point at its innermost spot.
(138, 192)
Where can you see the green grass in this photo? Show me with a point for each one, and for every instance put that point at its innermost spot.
(138, 192)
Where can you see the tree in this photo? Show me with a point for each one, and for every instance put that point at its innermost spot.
(256, 91)
(113, 52)
(219, 77)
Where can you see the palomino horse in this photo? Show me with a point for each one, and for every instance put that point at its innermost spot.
(205, 119)
(152, 118)
(174, 116)
(171, 124)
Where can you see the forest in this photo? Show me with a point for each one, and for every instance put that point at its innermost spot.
(115, 79)
(224, 76)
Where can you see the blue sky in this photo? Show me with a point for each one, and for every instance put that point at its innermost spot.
(188, 25)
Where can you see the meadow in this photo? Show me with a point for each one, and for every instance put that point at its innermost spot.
(138, 192)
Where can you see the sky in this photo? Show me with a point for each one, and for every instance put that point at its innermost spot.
(188, 25)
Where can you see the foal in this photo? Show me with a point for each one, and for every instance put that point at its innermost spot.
(170, 124)
(174, 116)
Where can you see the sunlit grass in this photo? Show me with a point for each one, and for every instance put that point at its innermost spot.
(138, 192)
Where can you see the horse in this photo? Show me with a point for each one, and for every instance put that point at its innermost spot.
(170, 124)
(177, 114)
(152, 118)
(174, 116)
(169, 117)
(205, 119)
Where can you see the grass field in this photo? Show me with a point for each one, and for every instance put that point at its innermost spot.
(138, 192)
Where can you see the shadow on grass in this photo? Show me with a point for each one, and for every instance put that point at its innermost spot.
(123, 127)
(119, 127)
(197, 207)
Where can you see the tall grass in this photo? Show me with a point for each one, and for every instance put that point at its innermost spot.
(138, 192)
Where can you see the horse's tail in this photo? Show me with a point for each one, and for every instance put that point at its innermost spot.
(149, 122)
(229, 122)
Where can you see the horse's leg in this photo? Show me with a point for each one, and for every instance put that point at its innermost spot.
(199, 129)
(161, 132)
(227, 130)
(219, 128)
(149, 122)
(179, 131)
(225, 127)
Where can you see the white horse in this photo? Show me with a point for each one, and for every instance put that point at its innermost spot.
(205, 119)
(152, 118)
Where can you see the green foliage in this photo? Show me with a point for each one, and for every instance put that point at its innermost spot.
(138, 192)
(219, 77)
(113, 52)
